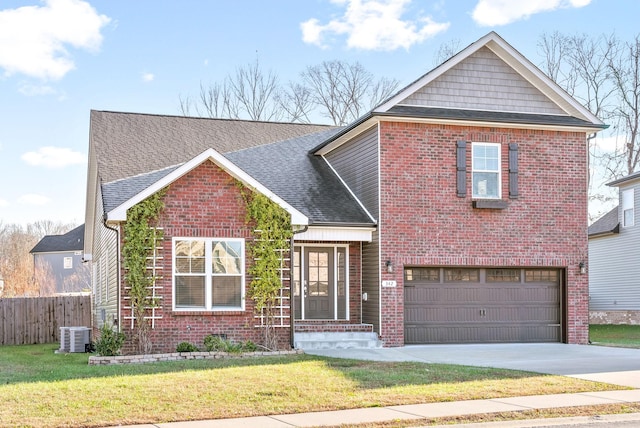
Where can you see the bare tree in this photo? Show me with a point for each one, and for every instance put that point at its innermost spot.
(446, 51)
(296, 103)
(344, 91)
(16, 263)
(623, 65)
(250, 93)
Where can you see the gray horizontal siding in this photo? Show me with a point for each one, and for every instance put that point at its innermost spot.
(357, 164)
(371, 282)
(614, 267)
(483, 82)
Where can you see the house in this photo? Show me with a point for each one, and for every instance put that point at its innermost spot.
(58, 265)
(453, 212)
(614, 255)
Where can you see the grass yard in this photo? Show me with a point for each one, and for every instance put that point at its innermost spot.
(40, 388)
(627, 336)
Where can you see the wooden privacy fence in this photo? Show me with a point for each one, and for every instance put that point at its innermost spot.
(34, 320)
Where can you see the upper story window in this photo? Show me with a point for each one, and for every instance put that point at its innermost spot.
(208, 274)
(485, 166)
(627, 208)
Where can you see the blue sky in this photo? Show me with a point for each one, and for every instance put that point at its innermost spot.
(61, 58)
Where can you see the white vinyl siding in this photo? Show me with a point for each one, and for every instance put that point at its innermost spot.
(628, 208)
(614, 271)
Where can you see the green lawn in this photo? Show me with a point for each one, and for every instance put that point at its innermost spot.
(40, 388)
(627, 336)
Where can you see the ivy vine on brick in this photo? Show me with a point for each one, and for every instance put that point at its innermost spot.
(272, 232)
(140, 239)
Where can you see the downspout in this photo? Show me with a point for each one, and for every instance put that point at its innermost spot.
(116, 321)
(291, 290)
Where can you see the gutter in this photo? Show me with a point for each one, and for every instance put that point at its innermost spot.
(291, 296)
(117, 232)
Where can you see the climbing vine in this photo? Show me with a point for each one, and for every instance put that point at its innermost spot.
(140, 238)
(272, 230)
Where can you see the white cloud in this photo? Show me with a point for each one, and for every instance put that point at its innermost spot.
(35, 90)
(53, 157)
(148, 77)
(4, 203)
(33, 199)
(610, 143)
(373, 25)
(502, 12)
(34, 39)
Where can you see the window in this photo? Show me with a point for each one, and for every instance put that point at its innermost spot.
(68, 262)
(461, 275)
(627, 208)
(208, 274)
(485, 165)
(503, 275)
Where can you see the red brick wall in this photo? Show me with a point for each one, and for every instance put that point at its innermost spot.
(206, 202)
(423, 222)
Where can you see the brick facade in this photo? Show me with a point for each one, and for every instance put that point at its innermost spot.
(206, 202)
(424, 222)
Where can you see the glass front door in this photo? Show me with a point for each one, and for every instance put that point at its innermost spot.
(320, 285)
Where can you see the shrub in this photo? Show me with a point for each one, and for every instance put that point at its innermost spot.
(217, 343)
(186, 347)
(110, 341)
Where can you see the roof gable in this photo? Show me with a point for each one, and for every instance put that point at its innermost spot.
(170, 175)
(70, 241)
(608, 224)
(483, 81)
(488, 68)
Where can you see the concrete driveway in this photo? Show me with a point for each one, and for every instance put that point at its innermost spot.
(619, 366)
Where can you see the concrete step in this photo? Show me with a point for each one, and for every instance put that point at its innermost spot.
(336, 340)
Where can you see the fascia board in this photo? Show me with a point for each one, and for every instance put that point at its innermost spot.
(540, 80)
(489, 124)
(90, 201)
(347, 136)
(120, 213)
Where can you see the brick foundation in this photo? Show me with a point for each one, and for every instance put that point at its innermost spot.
(614, 317)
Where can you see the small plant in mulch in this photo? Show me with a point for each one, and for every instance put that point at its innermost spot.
(219, 344)
(186, 347)
(110, 341)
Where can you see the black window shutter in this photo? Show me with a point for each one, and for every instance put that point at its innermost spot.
(513, 171)
(461, 166)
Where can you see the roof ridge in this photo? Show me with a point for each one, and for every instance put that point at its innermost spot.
(221, 119)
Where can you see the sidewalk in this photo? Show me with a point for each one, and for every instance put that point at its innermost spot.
(416, 411)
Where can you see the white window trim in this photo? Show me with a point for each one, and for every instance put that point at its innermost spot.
(302, 247)
(627, 203)
(68, 263)
(208, 274)
(474, 170)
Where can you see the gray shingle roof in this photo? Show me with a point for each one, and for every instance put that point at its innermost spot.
(129, 144)
(134, 151)
(606, 224)
(625, 179)
(302, 179)
(70, 241)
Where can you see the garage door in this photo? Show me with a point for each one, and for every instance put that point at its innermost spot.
(444, 305)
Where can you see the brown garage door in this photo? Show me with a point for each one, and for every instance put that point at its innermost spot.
(445, 305)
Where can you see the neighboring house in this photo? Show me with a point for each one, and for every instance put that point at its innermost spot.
(453, 212)
(614, 258)
(58, 265)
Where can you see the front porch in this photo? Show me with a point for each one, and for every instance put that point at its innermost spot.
(329, 334)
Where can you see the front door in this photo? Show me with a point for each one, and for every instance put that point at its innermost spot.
(318, 283)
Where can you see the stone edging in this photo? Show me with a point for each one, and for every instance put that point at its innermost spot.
(180, 356)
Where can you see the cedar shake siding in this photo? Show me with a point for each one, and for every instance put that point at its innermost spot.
(424, 223)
